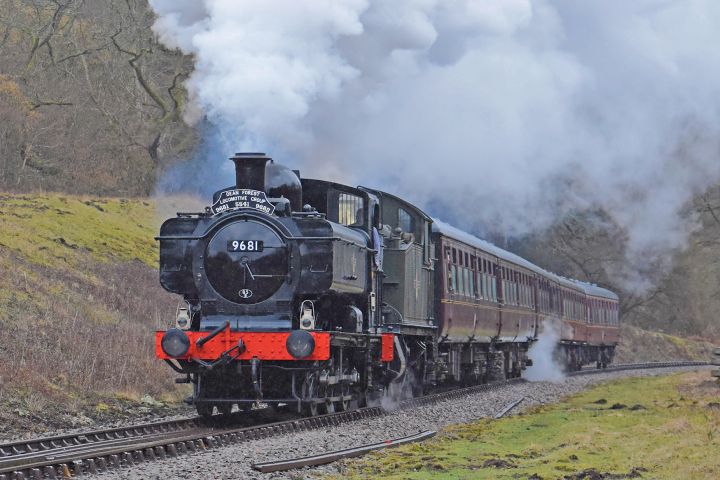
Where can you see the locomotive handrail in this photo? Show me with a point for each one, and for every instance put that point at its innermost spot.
(201, 341)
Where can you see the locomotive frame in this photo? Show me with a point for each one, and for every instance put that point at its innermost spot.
(348, 295)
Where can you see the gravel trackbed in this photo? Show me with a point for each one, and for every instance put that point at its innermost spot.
(235, 461)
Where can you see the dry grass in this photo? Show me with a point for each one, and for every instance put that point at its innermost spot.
(80, 320)
(94, 337)
(639, 345)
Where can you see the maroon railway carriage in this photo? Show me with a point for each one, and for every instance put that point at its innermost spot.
(491, 305)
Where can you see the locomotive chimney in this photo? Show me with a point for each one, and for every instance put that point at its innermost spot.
(250, 170)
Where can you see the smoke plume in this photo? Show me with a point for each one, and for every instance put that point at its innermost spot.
(503, 114)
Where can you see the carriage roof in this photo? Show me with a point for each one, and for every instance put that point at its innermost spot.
(448, 230)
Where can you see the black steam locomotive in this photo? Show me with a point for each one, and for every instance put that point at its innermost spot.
(314, 293)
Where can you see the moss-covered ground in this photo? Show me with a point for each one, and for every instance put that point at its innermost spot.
(48, 228)
(664, 427)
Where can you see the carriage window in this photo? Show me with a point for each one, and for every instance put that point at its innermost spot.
(449, 284)
(346, 209)
(469, 283)
(461, 288)
(519, 300)
(404, 221)
(454, 278)
(454, 255)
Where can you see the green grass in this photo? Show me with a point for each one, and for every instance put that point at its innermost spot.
(49, 244)
(674, 437)
(51, 229)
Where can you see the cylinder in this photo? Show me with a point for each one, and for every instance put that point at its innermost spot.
(250, 170)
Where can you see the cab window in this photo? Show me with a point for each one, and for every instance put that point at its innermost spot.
(404, 221)
(346, 209)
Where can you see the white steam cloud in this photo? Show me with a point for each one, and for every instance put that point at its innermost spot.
(502, 114)
(542, 353)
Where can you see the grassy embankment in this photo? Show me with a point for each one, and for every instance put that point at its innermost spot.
(79, 299)
(661, 427)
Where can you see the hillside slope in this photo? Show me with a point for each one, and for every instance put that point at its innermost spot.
(79, 299)
(639, 345)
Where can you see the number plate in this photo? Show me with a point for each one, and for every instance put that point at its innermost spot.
(245, 246)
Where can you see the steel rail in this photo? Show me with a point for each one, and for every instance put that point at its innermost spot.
(89, 453)
(637, 366)
(20, 447)
(283, 465)
(505, 410)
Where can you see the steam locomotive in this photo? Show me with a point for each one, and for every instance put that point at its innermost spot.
(325, 296)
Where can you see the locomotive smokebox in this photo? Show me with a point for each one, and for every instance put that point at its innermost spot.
(250, 170)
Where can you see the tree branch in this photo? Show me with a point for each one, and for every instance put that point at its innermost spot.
(40, 103)
(176, 98)
(712, 212)
(79, 54)
(5, 37)
(50, 28)
(138, 73)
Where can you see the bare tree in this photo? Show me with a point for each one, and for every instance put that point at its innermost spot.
(106, 97)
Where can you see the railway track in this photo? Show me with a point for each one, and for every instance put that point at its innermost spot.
(102, 450)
